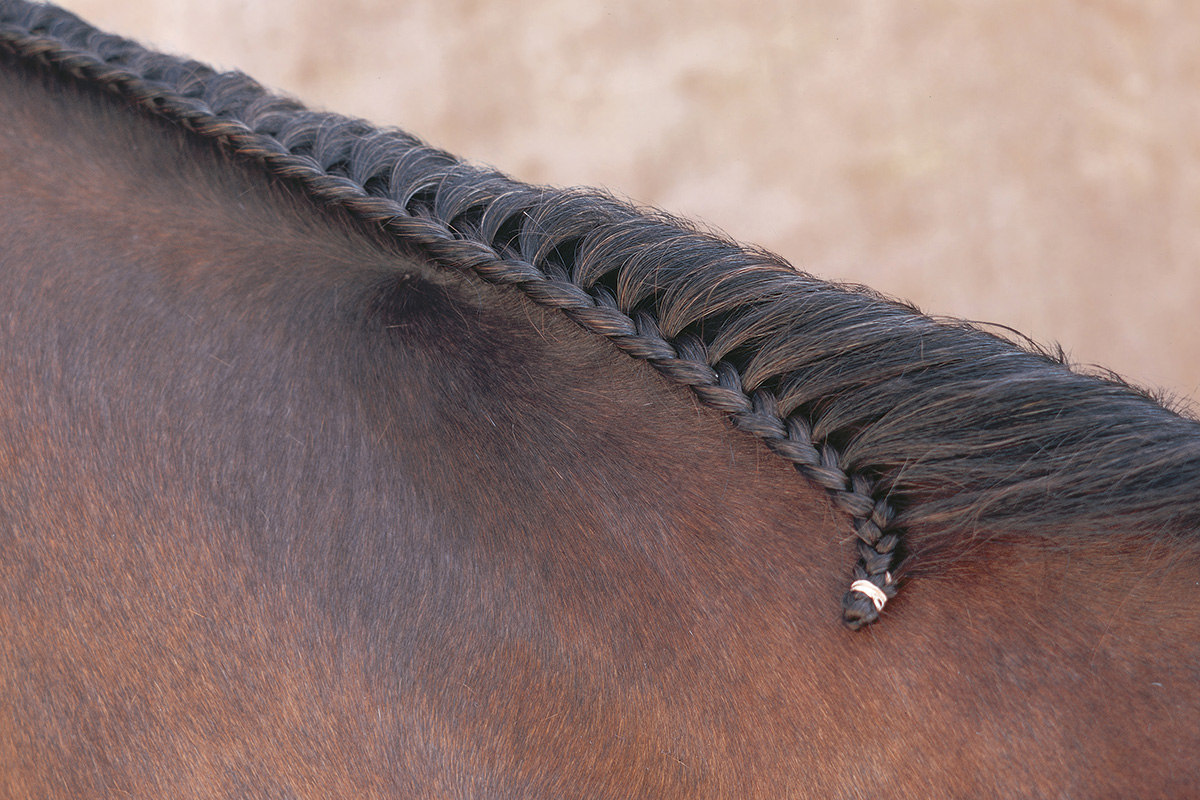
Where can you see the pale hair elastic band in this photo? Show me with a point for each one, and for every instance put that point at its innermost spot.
(872, 591)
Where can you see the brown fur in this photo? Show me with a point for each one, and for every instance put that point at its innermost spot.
(289, 509)
(908, 422)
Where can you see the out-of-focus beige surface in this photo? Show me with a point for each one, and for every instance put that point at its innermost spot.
(1035, 164)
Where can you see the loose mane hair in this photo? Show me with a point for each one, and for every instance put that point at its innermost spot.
(909, 422)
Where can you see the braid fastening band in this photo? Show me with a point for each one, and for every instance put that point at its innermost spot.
(872, 592)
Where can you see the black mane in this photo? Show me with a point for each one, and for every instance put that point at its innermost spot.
(908, 421)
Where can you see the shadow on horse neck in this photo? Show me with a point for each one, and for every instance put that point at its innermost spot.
(294, 506)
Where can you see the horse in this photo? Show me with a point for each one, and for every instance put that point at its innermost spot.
(332, 465)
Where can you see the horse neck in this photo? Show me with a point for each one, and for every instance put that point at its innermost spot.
(441, 515)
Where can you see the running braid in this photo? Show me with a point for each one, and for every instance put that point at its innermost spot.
(564, 249)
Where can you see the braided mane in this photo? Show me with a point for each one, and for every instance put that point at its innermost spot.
(907, 421)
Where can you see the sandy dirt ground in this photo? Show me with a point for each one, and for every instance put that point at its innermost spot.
(1035, 164)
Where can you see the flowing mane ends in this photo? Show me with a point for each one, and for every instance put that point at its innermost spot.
(911, 423)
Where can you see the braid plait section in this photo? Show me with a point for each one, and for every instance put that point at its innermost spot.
(622, 273)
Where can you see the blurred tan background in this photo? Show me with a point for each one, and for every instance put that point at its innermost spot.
(1032, 163)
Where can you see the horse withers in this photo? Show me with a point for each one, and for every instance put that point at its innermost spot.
(333, 466)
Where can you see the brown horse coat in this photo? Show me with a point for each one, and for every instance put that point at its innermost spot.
(294, 505)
